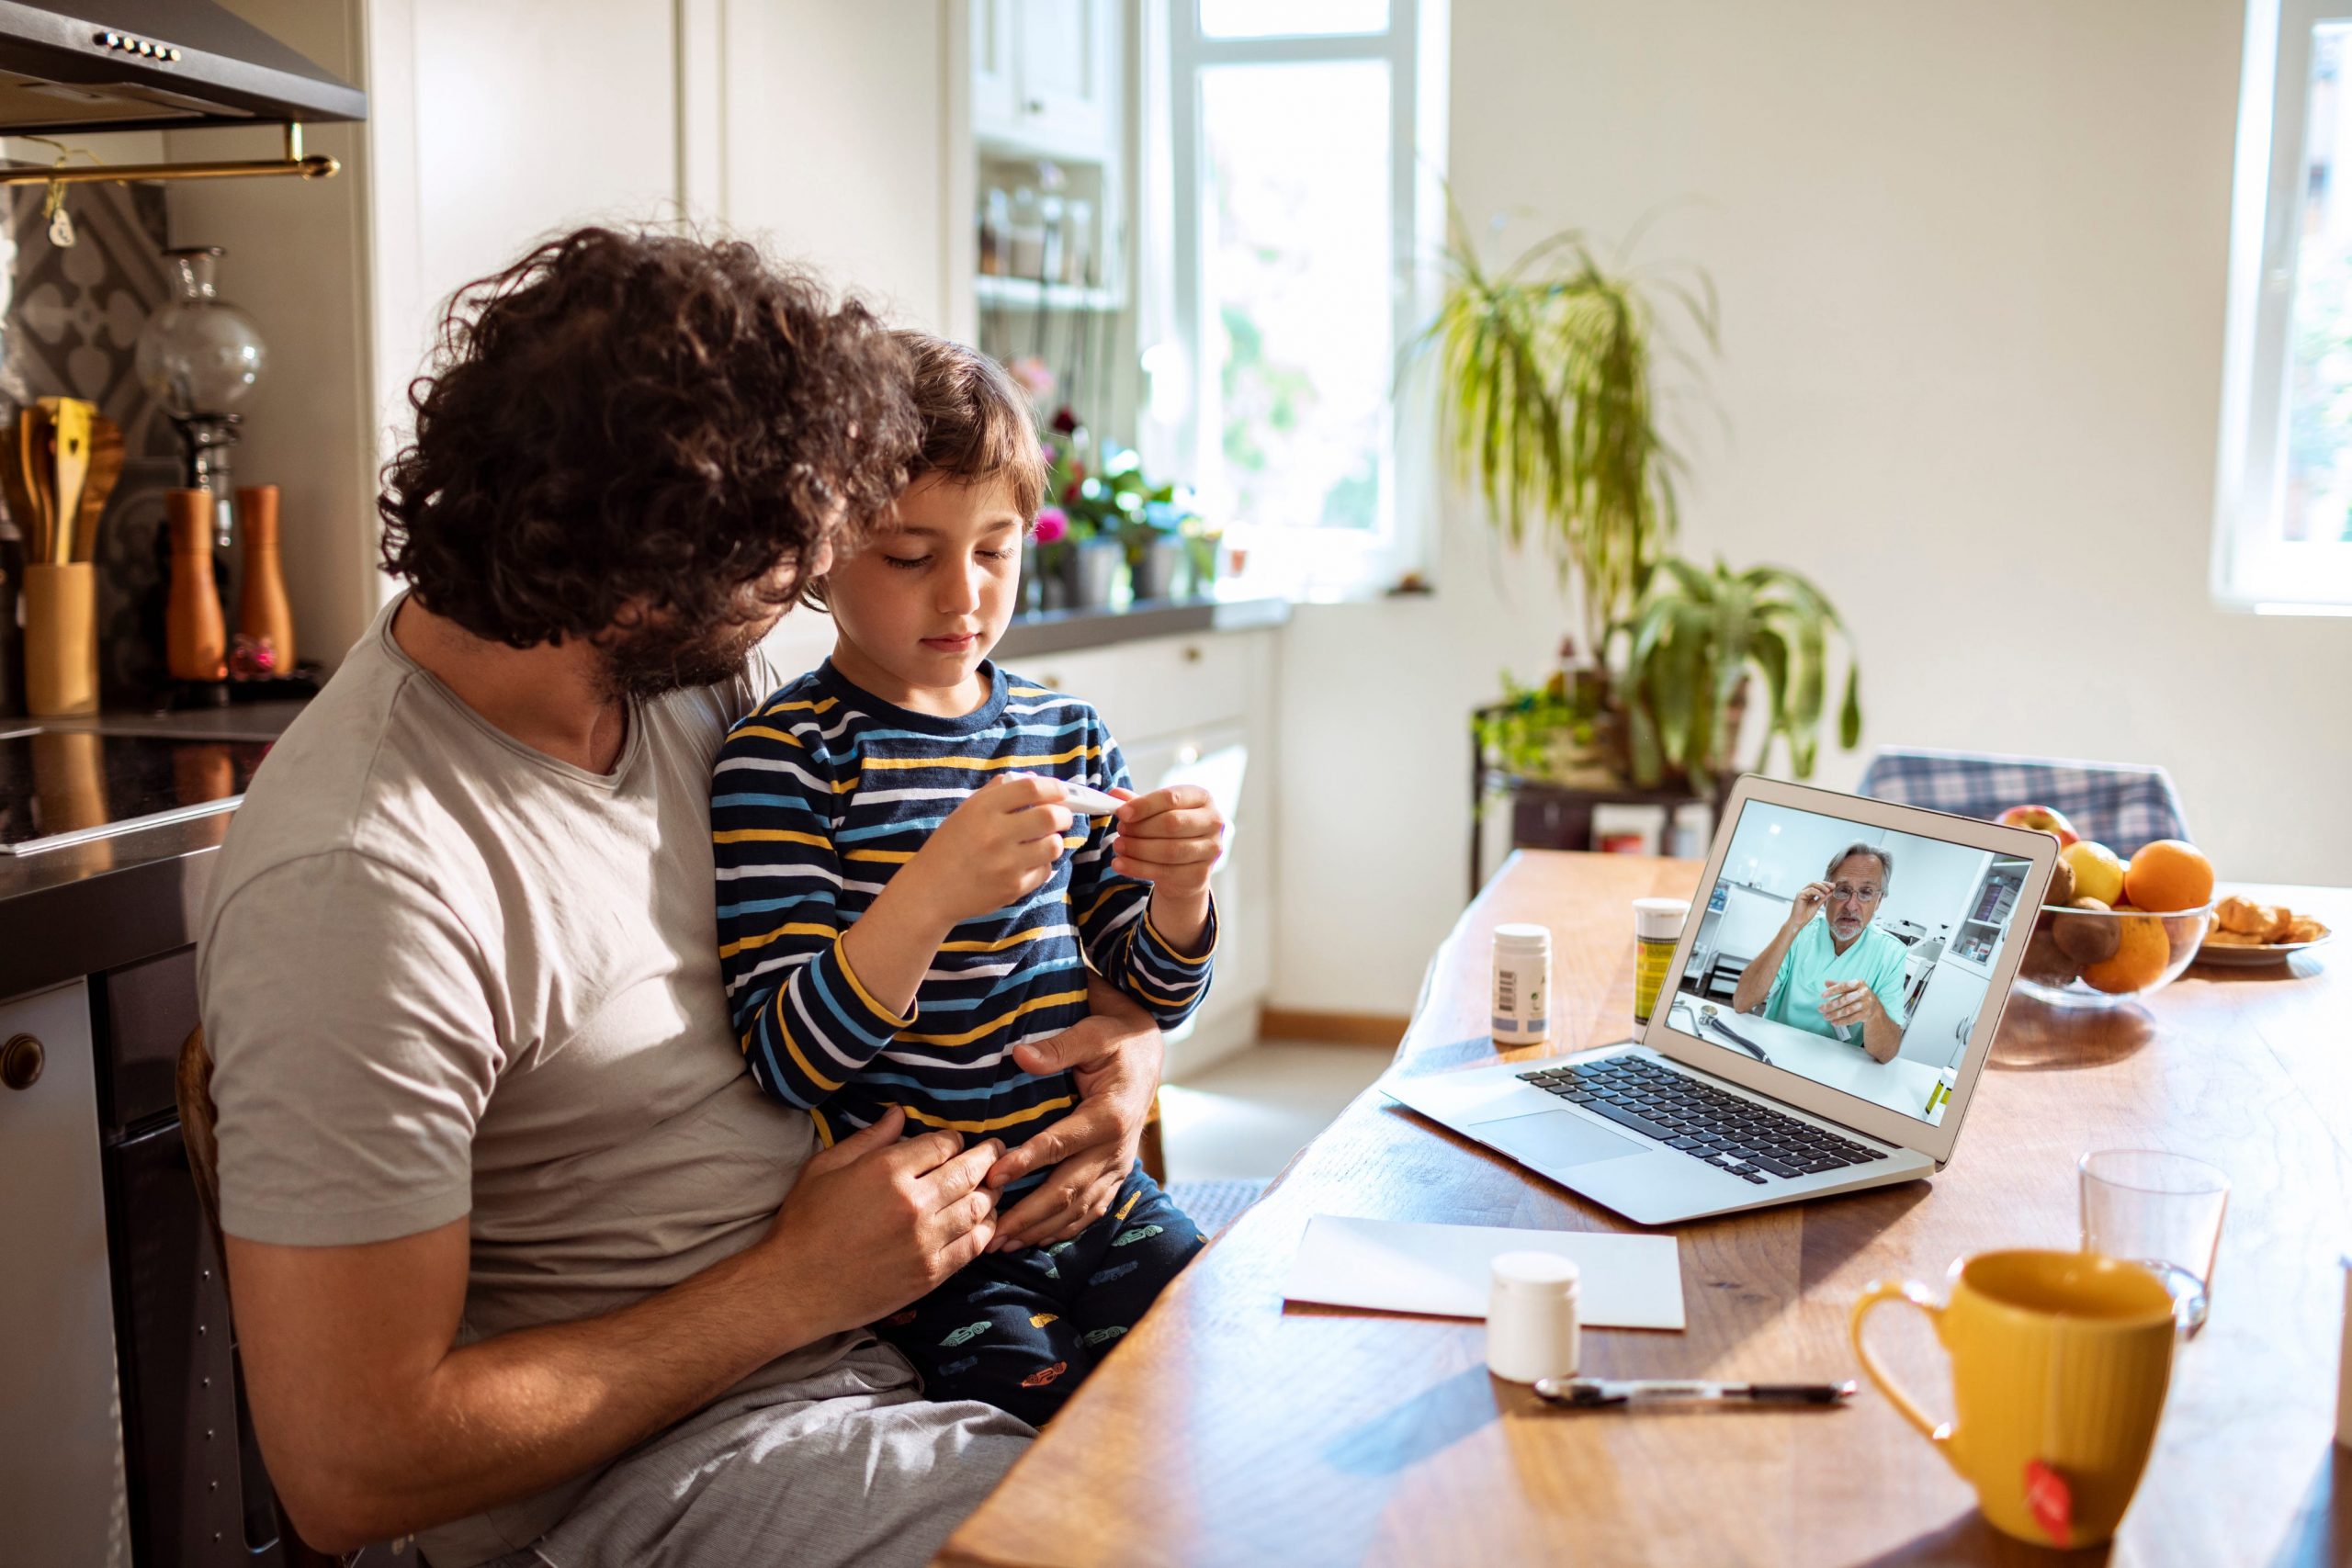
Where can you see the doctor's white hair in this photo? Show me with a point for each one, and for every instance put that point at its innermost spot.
(1885, 858)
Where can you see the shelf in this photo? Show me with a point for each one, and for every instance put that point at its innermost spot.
(1028, 294)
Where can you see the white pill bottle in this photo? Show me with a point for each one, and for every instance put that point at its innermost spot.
(1522, 988)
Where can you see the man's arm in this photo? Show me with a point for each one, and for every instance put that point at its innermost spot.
(1763, 972)
(1114, 1056)
(374, 1424)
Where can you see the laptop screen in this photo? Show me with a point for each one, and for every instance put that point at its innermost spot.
(1854, 955)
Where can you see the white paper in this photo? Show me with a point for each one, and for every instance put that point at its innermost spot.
(1627, 1281)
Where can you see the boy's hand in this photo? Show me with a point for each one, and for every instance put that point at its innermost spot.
(1169, 838)
(996, 849)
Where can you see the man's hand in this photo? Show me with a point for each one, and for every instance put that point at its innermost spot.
(994, 850)
(1115, 1058)
(1855, 1005)
(891, 1219)
(1810, 900)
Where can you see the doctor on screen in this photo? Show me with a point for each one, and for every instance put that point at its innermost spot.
(1839, 969)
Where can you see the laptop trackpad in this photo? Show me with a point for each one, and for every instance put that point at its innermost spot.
(1551, 1140)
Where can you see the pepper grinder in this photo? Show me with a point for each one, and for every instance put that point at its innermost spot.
(195, 639)
(265, 619)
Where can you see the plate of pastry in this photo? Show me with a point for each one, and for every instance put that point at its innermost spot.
(2246, 932)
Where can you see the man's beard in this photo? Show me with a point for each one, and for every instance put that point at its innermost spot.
(654, 659)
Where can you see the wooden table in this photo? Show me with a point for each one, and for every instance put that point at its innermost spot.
(1230, 1428)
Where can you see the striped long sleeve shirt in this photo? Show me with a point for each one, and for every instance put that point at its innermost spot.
(819, 795)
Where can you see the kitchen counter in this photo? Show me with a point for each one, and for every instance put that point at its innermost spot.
(87, 907)
(1064, 631)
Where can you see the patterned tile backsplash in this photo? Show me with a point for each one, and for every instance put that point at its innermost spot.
(69, 329)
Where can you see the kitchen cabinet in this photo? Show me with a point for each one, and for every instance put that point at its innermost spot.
(1044, 76)
(61, 1488)
(1940, 1023)
(996, 91)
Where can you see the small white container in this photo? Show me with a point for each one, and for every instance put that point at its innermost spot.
(1522, 985)
(1532, 1312)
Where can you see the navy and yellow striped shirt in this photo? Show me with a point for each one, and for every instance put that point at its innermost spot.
(819, 795)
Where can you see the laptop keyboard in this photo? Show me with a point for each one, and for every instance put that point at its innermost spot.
(1753, 1142)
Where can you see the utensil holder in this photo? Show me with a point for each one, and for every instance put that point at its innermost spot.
(60, 639)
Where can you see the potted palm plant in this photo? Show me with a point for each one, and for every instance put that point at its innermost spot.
(1689, 651)
(1547, 408)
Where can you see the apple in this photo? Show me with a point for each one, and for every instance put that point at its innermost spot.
(2041, 820)
(2098, 871)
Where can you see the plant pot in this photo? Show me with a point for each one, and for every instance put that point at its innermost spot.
(1093, 573)
(1200, 564)
(1152, 567)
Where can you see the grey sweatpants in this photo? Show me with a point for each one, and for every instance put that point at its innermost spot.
(851, 1466)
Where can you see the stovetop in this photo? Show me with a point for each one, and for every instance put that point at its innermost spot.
(66, 786)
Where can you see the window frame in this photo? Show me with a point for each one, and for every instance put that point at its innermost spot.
(2252, 569)
(1324, 561)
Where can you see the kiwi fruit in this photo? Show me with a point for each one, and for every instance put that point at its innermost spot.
(2062, 884)
(2086, 940)
(2047, 964)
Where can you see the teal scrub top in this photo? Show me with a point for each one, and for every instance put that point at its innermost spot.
(1814, 960)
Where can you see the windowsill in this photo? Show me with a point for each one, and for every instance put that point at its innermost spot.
(1063, 631)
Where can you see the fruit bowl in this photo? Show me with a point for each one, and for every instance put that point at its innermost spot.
(2104, 958)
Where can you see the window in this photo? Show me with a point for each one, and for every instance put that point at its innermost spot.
(1301, 178)
(2283, 532)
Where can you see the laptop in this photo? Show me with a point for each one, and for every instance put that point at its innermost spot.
(1741, 1091)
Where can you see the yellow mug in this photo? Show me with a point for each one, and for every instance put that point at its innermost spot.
(2060, 1361)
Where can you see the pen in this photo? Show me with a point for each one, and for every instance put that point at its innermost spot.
(1591, 1393)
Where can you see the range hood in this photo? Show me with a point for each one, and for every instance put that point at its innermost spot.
(93, 65)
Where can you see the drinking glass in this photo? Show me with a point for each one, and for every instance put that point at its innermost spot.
(2162, 1210)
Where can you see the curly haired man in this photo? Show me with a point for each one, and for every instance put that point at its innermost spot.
(523, 1260)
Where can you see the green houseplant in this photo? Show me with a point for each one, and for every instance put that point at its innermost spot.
(1547, 408)
(1546, 405)
(1689, 651)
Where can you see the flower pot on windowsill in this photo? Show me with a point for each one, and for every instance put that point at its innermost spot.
(1152, 564)
(1094, 572)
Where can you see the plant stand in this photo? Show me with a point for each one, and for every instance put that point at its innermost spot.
(1549, 815)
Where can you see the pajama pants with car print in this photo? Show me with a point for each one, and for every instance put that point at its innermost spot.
(1021, 1329)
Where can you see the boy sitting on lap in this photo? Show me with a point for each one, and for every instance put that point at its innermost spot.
(903, 898)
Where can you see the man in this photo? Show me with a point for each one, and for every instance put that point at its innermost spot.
(522, 1260)
(1837, 975)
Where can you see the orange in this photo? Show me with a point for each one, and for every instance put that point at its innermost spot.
(2140, 953)
(2168, 874)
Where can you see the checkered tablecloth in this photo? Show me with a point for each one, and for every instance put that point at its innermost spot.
(2122, 805)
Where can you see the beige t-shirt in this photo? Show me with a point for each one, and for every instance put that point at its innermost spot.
(444, 974)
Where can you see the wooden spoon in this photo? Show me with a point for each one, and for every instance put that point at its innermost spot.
(106, 469)
(69, 452)
(32, 457)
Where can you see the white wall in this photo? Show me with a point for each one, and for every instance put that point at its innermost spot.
(1971, 263)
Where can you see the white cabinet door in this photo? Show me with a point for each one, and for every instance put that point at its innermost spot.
(1939, 1025)
(62, 1487)
(1065, 56)
(996, 87)
(1066, 71)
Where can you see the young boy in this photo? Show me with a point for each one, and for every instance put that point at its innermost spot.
(903, 897)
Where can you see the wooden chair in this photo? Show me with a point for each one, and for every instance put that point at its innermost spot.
(193, 1090)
